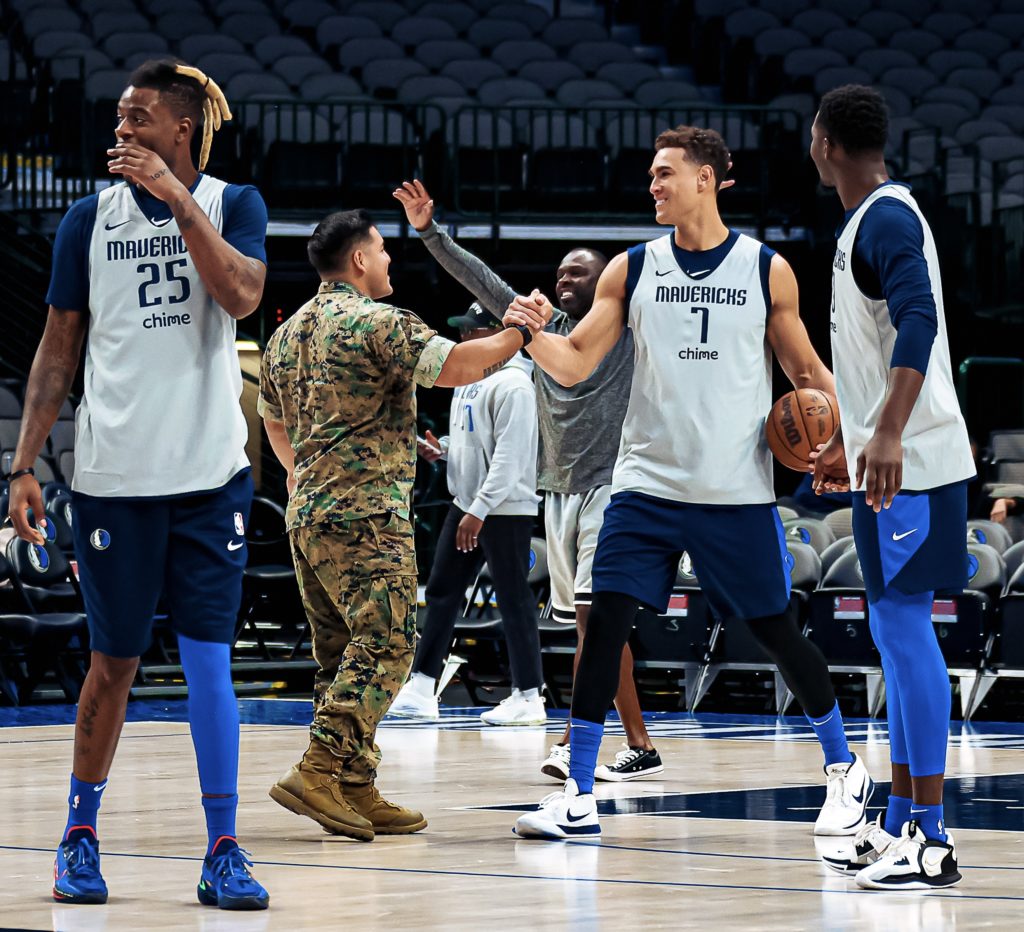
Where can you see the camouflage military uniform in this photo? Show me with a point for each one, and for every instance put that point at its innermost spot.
(341, 375)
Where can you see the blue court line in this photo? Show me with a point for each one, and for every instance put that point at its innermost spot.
(749, 857)
(491, 875)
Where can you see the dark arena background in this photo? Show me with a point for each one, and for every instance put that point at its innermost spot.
(532, 126)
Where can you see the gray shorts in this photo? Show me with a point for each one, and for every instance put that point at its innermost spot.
(572, 524)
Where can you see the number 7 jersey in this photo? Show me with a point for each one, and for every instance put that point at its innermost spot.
(694, 428)
(160, 413)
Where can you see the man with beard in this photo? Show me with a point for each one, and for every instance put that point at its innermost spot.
(579, 440)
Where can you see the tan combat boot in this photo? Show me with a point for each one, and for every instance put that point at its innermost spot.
(311, 789)
(387, 818)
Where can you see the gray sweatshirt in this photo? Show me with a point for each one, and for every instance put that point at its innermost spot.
(580, 426)
(492, 443)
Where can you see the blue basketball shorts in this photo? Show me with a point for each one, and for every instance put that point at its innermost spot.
(190, 549)
(738, 554)
(918, 544)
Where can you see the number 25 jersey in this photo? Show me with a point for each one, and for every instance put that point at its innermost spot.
(160, 413)
(694, 428)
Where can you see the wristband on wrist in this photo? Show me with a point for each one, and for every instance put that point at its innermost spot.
(525, 332)
(11, 476)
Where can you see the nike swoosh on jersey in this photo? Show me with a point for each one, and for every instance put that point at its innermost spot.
(897, 537)
(663, 274)
(114, 226)
(233, 546)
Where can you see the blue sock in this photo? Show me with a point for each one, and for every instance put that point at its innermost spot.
(829, 729)
(930, 820)
(897, 814)
(584, 745)
(83, 806)
(220, 821)
(213, 720)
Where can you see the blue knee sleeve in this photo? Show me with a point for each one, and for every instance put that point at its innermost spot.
(212, 713)
(903, 631)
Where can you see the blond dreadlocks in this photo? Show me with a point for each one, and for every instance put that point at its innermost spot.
(215, 108)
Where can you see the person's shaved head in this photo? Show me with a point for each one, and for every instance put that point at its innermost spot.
(576, 281)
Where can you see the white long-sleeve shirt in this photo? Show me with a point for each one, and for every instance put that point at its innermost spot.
(492, 445)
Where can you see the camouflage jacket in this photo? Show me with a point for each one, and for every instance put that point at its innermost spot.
(341, 374)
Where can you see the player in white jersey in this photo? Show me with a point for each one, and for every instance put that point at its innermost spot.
(707, 306)
(151, 274)
(903, 431)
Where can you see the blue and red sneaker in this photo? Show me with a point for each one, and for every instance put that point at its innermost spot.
(226, 882)
(76, 871)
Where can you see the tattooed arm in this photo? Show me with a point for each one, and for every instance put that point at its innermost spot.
(469, 362)
(49, 382)
(234, 280)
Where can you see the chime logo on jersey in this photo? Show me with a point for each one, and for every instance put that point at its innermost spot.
(239, 524)
(100, 539)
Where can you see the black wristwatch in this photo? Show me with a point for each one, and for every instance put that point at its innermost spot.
(11, 476)
(525, 332)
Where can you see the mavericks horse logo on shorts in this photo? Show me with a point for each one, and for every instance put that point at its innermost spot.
(100, 539)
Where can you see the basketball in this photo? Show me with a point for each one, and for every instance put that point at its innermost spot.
(798, 422)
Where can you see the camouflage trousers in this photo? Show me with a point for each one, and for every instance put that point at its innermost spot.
(358, 585)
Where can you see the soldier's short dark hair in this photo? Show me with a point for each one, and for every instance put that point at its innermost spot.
(183, 95)
(336, 236)
(855, 117)
(700, 146)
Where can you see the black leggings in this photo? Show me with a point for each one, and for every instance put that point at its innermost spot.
(612, 616)
(505, 544)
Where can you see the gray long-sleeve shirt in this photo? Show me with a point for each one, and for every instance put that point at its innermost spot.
(580, 426)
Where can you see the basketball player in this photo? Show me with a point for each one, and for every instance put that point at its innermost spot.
(903, 432)
(579, 439)
(156, 271)
(338, 400)
(707, 307)
(492, 477)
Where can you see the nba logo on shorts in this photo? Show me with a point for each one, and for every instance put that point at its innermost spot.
(239, 524)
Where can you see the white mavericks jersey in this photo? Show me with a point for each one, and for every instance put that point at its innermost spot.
(694, 428)
(936, 448)
(160, 413)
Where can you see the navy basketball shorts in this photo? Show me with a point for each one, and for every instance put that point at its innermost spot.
(918, 544)
(738, 554)
(189, 548)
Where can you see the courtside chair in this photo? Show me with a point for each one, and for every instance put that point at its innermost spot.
(271, 618)
(45, 638)
(679, 642)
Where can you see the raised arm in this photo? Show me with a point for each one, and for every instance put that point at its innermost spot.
(493, 292)
(49, 382)
(234, 280)
(787, 334)
(571, 359)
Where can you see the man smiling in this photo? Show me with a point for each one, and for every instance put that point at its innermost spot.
(156, 271)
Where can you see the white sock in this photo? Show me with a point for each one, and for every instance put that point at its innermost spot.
(422, 684)
(530, 693)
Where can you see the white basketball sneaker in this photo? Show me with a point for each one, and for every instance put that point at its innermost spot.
(412, 702)
(913, 862)
(869, 844)
(565, 814)
(517, 709)
(848, 790)
(557, 764)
